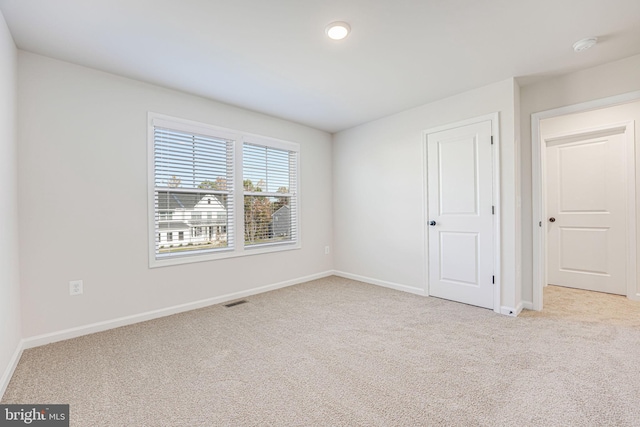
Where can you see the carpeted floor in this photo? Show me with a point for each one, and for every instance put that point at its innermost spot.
(336, 352)
(584, 306)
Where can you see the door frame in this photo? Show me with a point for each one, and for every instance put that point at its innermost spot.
(494, 118)
(538, 190)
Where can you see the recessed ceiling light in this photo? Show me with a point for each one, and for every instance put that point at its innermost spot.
(584, 44)
(337, 30)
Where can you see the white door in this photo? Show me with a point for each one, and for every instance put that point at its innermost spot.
(460, 214)
(586, 211)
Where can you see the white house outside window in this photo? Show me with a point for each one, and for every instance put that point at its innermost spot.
(208, 185)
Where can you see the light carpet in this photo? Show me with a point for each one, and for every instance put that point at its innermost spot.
(336, 352)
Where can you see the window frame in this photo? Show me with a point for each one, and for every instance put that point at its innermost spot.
(239, 138)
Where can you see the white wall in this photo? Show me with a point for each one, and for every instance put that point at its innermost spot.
(378, 193)
(10, 329)
(83, 191)
(610, 79)
(518, 190)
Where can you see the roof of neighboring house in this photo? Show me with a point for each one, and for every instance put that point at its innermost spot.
(175, 225)
(278, 211)
(174, 200)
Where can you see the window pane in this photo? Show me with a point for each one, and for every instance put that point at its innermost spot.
(200, 220)
(267, 220)
(266, 169)
(270, 218)
(193, 179)
(190, 161)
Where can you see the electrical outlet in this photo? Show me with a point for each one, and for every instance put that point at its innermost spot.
(327, 250)
(75, 287)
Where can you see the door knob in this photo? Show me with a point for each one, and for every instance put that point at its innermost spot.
(432, 223)
(552, 219)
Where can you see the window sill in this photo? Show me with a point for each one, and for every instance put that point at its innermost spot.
(222, 254)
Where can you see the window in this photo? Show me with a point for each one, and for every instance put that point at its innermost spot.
(210, 185)
(269, 194)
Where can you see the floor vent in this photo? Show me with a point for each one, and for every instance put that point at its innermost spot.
(233, 304)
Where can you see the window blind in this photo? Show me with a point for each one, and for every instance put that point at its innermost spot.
(193, 200)
(270, 195)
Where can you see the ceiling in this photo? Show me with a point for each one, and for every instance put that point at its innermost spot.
(272, 56)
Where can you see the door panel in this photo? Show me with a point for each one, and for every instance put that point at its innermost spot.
(460, 194)
(583, 177)
(586, 195)
(458, 177)
(459, 258)
(592, 257)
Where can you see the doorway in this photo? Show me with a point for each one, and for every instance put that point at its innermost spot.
(584, 197)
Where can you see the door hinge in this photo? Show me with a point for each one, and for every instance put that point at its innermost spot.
(491, 139)
(493, 279)
(540, 224)
(493, 210)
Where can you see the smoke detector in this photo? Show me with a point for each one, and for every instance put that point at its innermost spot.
(584, 44)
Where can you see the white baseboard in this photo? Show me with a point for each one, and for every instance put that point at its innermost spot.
(527, 305)
(383, 283)
(510, 311)
(66, 334)
(13, 363)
